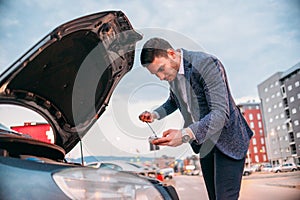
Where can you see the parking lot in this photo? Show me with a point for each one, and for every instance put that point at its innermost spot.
(275, 186)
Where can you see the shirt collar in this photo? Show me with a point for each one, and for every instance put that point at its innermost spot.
(181, 68)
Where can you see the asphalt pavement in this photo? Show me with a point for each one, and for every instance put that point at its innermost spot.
(264, 186)
(292, 179)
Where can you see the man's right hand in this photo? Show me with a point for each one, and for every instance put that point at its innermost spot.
(147, 116)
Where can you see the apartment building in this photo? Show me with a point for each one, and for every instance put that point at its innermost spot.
(290, 90)
(280, 103)
(257, 152)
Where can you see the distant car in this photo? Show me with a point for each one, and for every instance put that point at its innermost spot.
(124, 166)
(68, 78)
(196, 172)
(167, 173)
(287, 167)
(189, 169)
(266, 168)
(247, 171)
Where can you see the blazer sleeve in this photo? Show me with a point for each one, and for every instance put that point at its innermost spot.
(212, 80)
(168, 107)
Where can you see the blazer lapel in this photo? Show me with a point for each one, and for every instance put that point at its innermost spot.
(189, 90)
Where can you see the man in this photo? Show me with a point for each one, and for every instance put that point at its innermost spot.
(214, 126)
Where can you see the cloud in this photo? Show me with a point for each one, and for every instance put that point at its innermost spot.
(253, 39)
(257, 38)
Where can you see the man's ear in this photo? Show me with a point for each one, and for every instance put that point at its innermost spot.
(171, 53)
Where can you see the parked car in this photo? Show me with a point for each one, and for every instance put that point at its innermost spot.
(247, 171)
(68, 79)
(256, 167)
(167, 173)
(126, 166)
(266, 168)
(287, 167)
(196, 172)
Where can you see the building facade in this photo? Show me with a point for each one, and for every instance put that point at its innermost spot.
(291, 101)
(280, 97)
(257, 152)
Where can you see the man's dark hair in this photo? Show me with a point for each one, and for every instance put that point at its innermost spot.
(154, 47)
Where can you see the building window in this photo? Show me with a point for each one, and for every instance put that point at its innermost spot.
(283, 127)
(263, 149)
(259, 124)
(276, 83)
(265, 158)
(250, 116)
(283, 91)
(298, 135)
(292, 99)
(276, 117)
(262, 141)
(296, 122)
(278, 128)
(260, 131)
(281, 150)
(290, 87)
(266, 89)
(280, 105)
(267, 100)
(258, 116)
(254, 141)
(256, 158)
(298, 95)
(251, 125)
(294, 110)
(286, 138)
(273, 96)
(297, 83)
(278, 94)
(281, 138)
(255, 149)
(275, 106)
(271, 120)
(269, 109)
(282, 115)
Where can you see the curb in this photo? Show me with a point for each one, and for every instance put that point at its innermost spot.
(282, 185)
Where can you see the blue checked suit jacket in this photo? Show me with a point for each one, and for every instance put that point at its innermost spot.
(217, 122)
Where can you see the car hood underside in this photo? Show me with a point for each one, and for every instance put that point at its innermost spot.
(69, 76)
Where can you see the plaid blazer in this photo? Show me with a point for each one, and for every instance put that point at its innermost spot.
(217, 121)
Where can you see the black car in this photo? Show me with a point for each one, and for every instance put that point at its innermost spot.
(68, 78)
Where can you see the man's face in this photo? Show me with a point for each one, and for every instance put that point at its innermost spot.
(165, 68)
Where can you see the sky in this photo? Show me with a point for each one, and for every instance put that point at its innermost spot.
(254, 39)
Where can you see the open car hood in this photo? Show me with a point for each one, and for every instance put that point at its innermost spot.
(69, 76)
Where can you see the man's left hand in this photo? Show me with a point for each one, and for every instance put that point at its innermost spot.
(171, 137)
